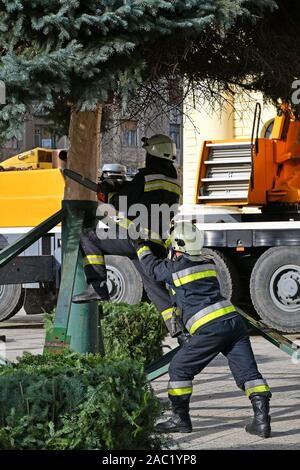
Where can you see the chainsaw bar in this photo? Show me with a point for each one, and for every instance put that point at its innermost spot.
(86, 182)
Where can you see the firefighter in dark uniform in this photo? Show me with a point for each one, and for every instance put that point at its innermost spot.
(157, 183)
(212, 324)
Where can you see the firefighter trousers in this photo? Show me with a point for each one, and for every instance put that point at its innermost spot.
(94, 249)
(229, 337)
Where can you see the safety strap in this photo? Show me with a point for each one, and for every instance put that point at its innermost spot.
(151, 236)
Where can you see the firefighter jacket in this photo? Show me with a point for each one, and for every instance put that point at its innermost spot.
(156, 184)
(194, 285)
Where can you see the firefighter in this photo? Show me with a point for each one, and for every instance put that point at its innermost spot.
(157, 184)
(213, 326)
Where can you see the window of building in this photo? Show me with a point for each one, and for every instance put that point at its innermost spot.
(175, 134)
(44, 138)
(129, 133)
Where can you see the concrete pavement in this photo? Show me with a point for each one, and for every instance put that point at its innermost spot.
(219, 409)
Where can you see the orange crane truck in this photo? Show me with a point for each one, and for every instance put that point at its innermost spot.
(247, 200)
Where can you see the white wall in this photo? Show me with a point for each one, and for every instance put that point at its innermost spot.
(201, 125)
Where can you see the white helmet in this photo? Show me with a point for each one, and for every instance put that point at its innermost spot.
(114, 171)
(187, 238)
(160, 145)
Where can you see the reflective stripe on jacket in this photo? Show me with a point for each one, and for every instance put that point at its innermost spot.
(150, 188)
(195, 287)
(161, 183)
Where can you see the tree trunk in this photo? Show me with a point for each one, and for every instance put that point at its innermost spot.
(84, 151)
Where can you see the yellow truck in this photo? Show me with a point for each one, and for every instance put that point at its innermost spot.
(31, 190)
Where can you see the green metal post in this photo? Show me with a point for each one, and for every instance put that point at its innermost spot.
(84, 325)
(84, 328)
(75, 326)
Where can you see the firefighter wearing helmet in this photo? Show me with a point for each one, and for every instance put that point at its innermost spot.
(156, 184)
(211, 325)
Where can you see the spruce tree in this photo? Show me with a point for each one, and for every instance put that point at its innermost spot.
(70, 57)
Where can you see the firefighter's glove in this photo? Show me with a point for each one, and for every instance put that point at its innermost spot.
(105, 188)
(137, 244)
(183, 338)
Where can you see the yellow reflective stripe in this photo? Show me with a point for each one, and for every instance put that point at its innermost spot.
(142, 250)
(158, 185)
(125, 223)
(168, 242)
(110, 196)
(180, 391)
(210, 316)
(93, 259)
(194, 277)
(258, 388)
(167, 314)
(162, 182)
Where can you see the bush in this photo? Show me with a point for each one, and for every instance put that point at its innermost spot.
(134, 331)
(72, 401)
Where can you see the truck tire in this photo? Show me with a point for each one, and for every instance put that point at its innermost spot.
(275, 288)
(228, 275)
(123, 281)
(11, 300)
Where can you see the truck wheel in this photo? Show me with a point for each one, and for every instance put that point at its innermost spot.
(11, 300)
(228, 275)
(123, 281)
(275, 288)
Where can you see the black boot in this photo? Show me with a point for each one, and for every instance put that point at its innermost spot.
(95, 291)
(261, 423)
(177, 423)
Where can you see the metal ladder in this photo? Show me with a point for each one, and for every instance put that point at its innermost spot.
(230, 167)
(228, 172)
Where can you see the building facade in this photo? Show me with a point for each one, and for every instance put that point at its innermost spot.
(121, 143)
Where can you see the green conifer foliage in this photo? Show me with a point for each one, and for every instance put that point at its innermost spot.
(62, 53)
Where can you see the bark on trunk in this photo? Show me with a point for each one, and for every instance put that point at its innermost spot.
(84, 152)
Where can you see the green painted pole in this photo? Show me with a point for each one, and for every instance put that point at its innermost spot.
(75, 326)
(84, 327)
